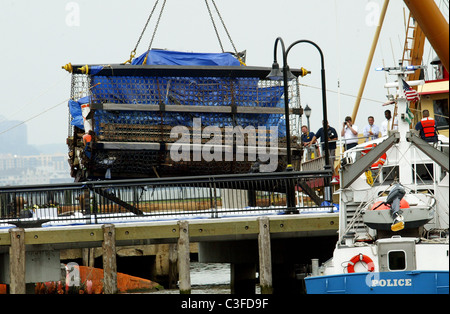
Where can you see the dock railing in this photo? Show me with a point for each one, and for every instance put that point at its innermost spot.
(138, 200)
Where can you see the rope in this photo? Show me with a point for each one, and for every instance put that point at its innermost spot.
(41, 113)
(35, 116)
(344, 94)
(369, 178)
(43, 93)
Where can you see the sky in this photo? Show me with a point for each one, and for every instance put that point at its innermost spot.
(38, 37)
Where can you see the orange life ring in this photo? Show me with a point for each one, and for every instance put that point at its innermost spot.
(360, 258)
(367, 149)
(380, 162)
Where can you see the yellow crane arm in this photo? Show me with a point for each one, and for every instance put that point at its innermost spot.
(434, 26)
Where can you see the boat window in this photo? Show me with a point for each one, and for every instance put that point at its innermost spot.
(390, 173)
(440, 107)
(424, 172)
(397, 260)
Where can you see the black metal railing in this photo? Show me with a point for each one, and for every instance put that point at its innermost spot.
(162, 198)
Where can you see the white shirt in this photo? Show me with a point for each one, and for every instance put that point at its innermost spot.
(349, 136)
(387, 125)
(371, 128)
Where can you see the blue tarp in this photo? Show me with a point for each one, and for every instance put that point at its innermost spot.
(75, 111)
(94, 69)
(325, 203)
(187, 91)
(167, 57)
(184, 90)
(181, 90)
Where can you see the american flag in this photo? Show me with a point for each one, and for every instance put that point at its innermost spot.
(411, 94)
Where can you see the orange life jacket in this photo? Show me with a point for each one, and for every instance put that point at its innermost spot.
(429, 127)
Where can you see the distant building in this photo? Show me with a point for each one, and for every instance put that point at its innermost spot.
(32, 170)
(14, 140)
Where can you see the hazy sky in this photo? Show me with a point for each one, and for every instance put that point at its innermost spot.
(38, 37)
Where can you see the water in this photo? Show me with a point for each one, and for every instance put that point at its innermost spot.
(207, 278)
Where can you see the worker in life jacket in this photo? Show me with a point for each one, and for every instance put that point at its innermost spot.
(427, 127)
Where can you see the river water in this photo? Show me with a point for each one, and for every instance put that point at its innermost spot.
(207, 278)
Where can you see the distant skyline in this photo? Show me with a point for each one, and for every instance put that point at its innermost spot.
(35, 169)
(15, 141)
(39, 37)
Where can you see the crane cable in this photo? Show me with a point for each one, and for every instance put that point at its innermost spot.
(225, 28)
(214, 25)
(133, 52)
(154, 32)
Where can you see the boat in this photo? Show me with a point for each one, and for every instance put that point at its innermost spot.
(89, 280)
(78, 279)
(394, 204)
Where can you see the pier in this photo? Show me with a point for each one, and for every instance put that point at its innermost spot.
(245, 222)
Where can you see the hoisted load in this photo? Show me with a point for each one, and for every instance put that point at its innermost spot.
(171, 113)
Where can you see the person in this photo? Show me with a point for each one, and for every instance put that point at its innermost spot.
(371, 131)
(306, 139)
(332, 138)
(387, 124)
(349, 133)
(427, 128)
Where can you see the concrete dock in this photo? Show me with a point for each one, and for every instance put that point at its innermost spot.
(33, 254)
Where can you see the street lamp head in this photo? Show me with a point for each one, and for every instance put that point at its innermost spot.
(307, 111)
(275, 74)
(290, 76)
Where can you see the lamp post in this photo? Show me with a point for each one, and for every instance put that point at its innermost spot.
(285, 75)
(275, 74)
(307, 112)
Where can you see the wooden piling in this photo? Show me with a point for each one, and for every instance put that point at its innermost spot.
(184, 263)
(88, 256)
(17, 261)
(173, 265)
(265, 256)
(109, 259)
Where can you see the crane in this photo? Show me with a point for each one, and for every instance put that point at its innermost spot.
(434, 26)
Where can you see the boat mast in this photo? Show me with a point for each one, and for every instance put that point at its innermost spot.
(369, 59)
(405, 173)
